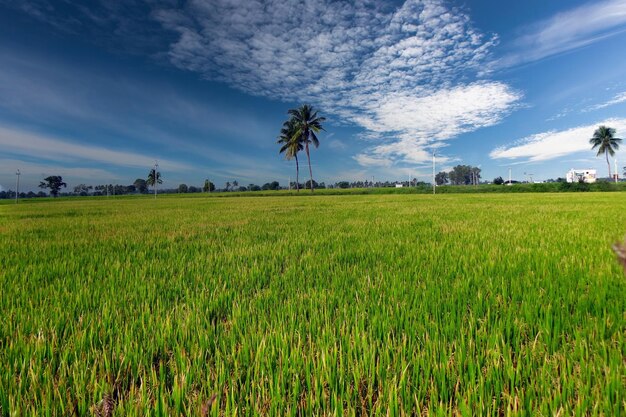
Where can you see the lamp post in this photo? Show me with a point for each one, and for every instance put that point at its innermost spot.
(156, 177)
(434, 172)
(17, 185)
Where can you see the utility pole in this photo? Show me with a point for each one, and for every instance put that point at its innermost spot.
(434, 173)
(509, 175)
(17, 185)
(616, 175)
(156, 177)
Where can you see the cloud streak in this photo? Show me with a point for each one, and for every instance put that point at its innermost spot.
(566, 31)
(32, 145)
(619, 98)
(554, 144)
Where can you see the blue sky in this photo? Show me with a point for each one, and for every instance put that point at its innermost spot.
(97, 91)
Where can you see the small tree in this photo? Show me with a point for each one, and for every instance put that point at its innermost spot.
(54, 183)
(441, 178)
(141, 186)
(82, 189)
(498, 181)
(154, 177)
(208, 186)
(182, 188)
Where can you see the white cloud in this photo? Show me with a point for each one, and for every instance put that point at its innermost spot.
(569, 30)
(18, 142)
(337, 144)
(554, 144)
(619, 98)
(392, 70)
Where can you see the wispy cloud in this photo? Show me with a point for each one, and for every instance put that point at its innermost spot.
(554, 144)
(617, 99)
(566, 31)
(33, 172)
(402, 73)
(44, 147)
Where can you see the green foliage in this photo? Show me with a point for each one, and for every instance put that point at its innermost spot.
(464, 175)
(154, 177)
(442, 178)
(498, 181)
(208, 186)
(274, 185)
(306, 125)
(605, 141)
(183, 188)
(54, 183)
(291, 144)
(141, 186)
(388, 305)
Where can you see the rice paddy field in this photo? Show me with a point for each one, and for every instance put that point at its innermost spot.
(353, 305)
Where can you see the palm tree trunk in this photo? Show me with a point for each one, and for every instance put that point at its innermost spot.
(297, 174)
(310, 171)
(606, 153)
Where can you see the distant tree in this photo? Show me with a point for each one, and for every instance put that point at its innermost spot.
(604, 139)
(343, 184)
(82, 189)
(307, 124)
(308, 184)
(130, 189)
(254, 187)
(208, 186)
(227, 185)
(235, 184)
(141, 186)
(182, 188)
(464, 175)
(442, 178)
(54, 183)
(193, 189)
(498, 181)
(154, 179)
(242, 189)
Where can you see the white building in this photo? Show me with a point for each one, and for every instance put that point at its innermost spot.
(576, 175)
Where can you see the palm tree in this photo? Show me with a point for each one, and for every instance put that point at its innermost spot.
(227, 185)
(292, 144)
(603, 139)
(151, 178)
(307, 124)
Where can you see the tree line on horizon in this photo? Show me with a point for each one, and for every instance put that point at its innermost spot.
(296, 134)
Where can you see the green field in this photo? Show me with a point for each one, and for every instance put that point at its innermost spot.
(354, 305)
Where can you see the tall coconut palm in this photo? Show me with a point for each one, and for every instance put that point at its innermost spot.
(603, 139)
(151, 178)
(307, 124)
(291, 145)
